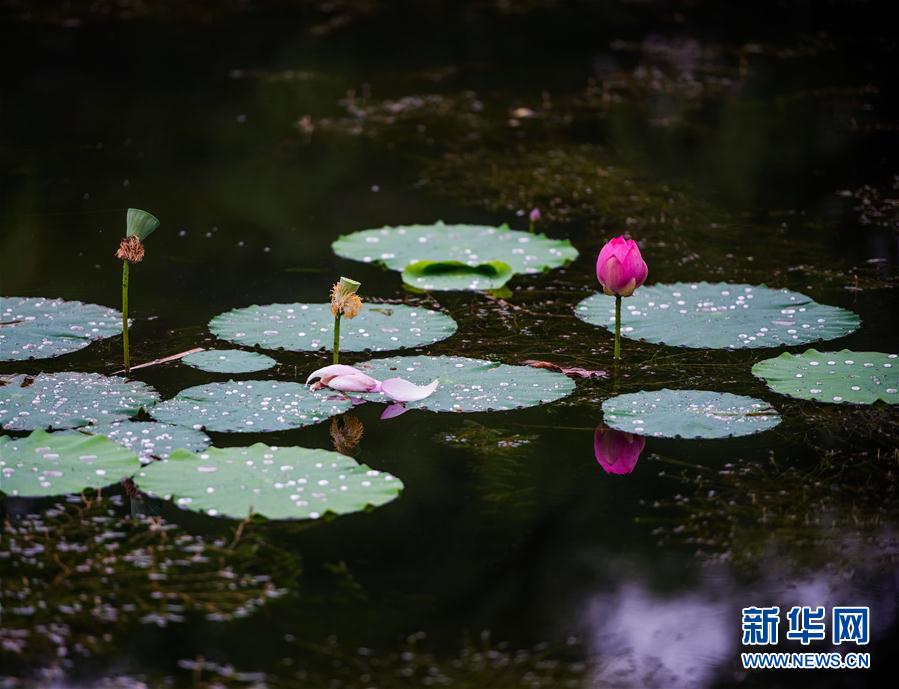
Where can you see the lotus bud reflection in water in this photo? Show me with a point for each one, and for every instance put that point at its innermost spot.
(349, 379)
(345, 303)
(620, 270)
(616, 451)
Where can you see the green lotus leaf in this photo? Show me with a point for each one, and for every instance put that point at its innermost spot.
(69, 400)
(273, 482)
(44, 464)
(834, 377)
(140, 224)
(688, 414)
(310, 327)
(456, 275)
(250, 406)
(719, 316)
(470, 385)
(493, 254)
(151, 439)
(40, 328)
(229, 361)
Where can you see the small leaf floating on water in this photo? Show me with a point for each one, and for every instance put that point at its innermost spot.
(229, 361)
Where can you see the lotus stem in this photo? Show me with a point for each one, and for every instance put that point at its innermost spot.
(125, 272)
(344, 302)
(337, 338)
(617, 328)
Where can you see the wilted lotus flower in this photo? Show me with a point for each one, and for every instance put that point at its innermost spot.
(616, 451)
(620, 268)
(344, 303)
(349, 379)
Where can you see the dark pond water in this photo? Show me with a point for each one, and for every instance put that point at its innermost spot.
(752, 144)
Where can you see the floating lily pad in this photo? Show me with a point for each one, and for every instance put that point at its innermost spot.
(250, 406)
(40, 328)
(719, 316)
(229, 361)
(274, 482)
(152, 440)
(471, 385)
(310, 327)
(689, 414)
(845, 376)
(69, 400)
(46, 464)
(456, 257)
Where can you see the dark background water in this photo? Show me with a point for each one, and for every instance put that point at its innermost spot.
(756, 125)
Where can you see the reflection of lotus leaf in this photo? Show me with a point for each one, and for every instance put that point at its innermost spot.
(433, 256)
(846, 376)
(58, 463)
(688, 414)
(151, 439)
(39, 328)
(719, 316)
(76, 575)
(229, 361)
(309, 327)
(250, 406)
(471, 385)
(69, 400)
(273, 482)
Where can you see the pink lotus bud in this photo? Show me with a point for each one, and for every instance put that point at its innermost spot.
(620, 268)
(534, 215)
(616, 451)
